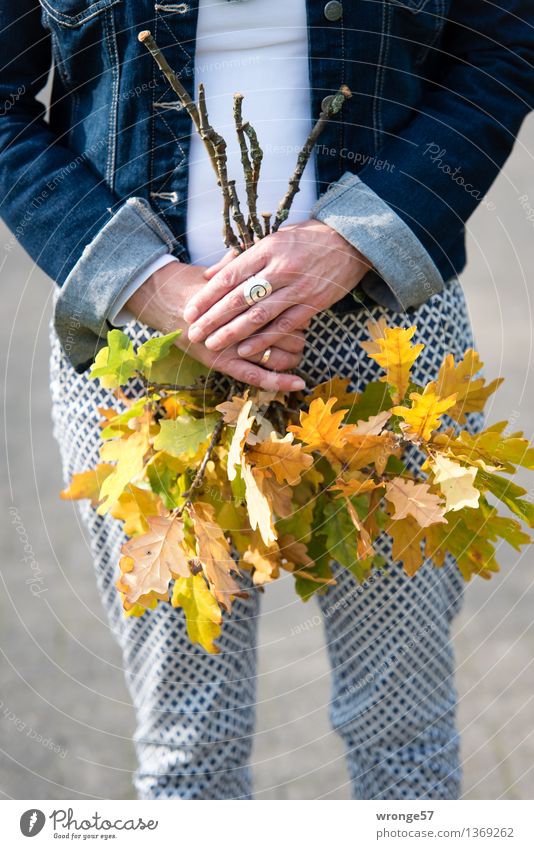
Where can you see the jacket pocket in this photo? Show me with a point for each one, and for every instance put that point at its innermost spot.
(414, 6)
(419, 23)
(74, 13)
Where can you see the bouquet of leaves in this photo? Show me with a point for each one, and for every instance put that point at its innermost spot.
(210, 487)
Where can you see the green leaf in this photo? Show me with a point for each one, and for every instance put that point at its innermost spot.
(154, 350)
(116, 363)
(113, 428)
(496, 449)
(375, 398)
(509, 493)
(183, 436)
(178, 368)
(321, 569)
(342, 540)
(168, 480)
(497, 526)
(237, 485)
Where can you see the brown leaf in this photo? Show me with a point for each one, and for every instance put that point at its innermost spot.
(416, 500)
(213, 551)
(280, 456)
(157, 557)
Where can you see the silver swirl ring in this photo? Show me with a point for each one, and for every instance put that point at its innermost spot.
(255, 289)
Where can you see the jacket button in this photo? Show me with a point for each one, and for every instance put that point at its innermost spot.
(333, 10)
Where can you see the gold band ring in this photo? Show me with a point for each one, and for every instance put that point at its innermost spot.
(266, 356)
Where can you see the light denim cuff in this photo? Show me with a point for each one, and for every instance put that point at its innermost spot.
(132, 239)
(408, 275)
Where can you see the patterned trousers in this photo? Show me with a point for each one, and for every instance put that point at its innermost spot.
(388, 640)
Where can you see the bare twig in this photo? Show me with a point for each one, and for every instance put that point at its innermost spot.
(218, 144)
(249, 170)
(330, 106)
(266, 222)
(147, 39)
(239, 218)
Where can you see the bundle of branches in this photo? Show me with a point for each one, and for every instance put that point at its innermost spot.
(210, 487)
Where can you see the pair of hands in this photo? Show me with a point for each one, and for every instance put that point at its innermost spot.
(310, 267)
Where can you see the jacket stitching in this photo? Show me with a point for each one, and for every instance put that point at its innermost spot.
(111, 38)
(377, 99)
(79, 19)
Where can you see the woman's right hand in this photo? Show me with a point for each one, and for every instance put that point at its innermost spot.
(160, 303)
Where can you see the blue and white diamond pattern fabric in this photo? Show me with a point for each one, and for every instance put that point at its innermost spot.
(388, 640)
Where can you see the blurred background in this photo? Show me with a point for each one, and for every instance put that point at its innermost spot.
(65, 716)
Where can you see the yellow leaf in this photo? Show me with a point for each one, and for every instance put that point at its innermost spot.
(213, 551)
(471, 393)
(258, 505)
(130, 456)
(157, 556)
(364, 545)
(202, 613)
(396, 355)
(87, 484)
(456, 483)
(358, 484)
(374, 425)
(335, 388)
(364, 449)
(424, 415)
(285, 460)
(265, 563)
(133, 508)
(376, 330)
(414, 499)
(243, 426)
(407, 535)
(320, 429)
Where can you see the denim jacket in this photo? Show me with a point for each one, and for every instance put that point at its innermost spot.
(97, 190)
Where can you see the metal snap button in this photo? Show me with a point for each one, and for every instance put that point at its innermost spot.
(333, 10)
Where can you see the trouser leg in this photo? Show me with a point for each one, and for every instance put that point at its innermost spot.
(194, 712)
(394, 699)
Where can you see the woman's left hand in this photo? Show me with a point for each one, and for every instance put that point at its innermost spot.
(309, 266)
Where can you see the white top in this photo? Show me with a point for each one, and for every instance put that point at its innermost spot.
(258, 48)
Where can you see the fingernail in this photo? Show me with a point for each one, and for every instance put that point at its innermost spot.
(244, 350)
(195, 334)
(297, 384)
(213, 343)
(191, 313)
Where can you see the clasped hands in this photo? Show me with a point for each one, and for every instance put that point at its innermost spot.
(309, 266)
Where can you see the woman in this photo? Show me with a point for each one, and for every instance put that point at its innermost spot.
(113, 199)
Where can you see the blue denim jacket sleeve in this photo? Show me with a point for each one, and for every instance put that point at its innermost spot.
(45, 206)
(133, 238)
(405, 218)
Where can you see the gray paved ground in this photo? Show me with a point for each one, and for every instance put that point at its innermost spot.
(61, 677)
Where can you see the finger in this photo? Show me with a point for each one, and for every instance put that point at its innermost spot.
(237, 271)
(288, 323)
(219, 315)
(279, 360)
(257, 376)
(217, 266)
(247, 323)
(293, 343)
